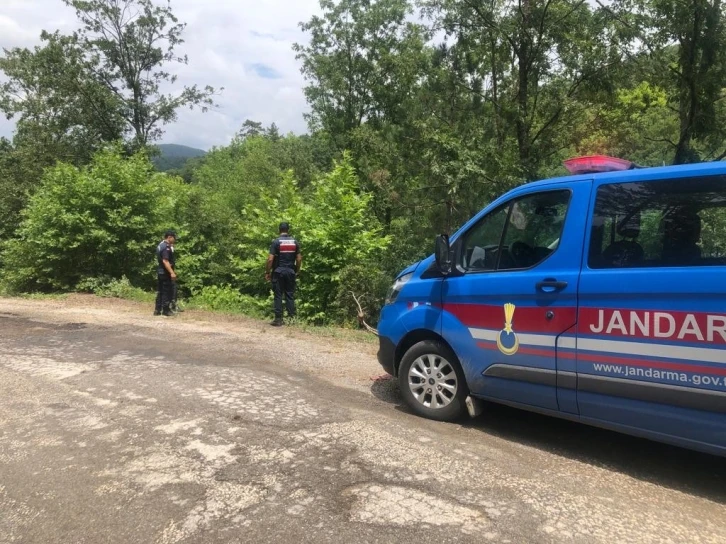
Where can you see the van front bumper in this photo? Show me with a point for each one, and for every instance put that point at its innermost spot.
(386, 353)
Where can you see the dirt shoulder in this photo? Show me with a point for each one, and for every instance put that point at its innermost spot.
(344, 357)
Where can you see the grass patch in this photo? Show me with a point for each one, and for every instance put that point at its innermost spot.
(227, 300)
(118, 289)
(340, 333)
(7, 291)
(41, 296)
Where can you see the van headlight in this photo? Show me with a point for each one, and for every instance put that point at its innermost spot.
(396, 287)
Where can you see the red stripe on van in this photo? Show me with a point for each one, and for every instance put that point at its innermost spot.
(525, 319)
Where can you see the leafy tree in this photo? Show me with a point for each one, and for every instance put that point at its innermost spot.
(307, 156)
(362, 63)
(17, 169)
(680, 45)
(634, 123)
(538, 58)
(250, 129)
(73, 95)
(233, 180)
(63, 112)
(76, 92)
(130, 43)
(102, 220)
(365, 65)
(229, 180)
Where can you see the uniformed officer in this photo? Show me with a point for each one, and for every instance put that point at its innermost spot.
(165, 274)
(174, 304)
(282, 268)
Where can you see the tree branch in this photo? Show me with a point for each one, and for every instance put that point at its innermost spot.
(361, 316)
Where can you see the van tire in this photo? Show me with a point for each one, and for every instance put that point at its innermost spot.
(432, 382)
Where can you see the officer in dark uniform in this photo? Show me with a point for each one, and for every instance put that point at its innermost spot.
(283, 266)
(174, 305)
(165, 274)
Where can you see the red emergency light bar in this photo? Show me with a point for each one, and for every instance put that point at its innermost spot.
(596, 163)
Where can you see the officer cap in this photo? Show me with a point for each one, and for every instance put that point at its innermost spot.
(284, 226)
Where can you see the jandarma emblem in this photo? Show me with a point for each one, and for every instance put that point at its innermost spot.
(507, 340)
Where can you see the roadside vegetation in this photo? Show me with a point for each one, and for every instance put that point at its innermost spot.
(420, 114)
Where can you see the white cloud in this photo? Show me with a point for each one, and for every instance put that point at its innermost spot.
(244, 46)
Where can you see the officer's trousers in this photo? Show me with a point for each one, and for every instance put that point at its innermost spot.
(283, 284)
(164, 293)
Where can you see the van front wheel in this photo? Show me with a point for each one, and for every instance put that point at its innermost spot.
(432, 382)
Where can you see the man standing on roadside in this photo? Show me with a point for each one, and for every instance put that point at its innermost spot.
(282, 268)
(165, 274)
(174, 304)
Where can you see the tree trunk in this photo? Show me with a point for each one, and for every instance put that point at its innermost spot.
(524, 64)
(138, 121)
(688, 93)
(495, 90)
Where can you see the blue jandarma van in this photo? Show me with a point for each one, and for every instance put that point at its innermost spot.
(598, 297)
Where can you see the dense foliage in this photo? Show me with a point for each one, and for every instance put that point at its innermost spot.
(241, 196)
(421, 112)
(99, 221)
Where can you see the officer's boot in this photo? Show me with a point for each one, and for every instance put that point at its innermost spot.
(277, 322)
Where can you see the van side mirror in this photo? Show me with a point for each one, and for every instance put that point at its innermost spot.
(442, 254)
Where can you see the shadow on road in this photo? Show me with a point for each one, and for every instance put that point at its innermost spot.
(387, 390)
(687, 471)
(677, 468)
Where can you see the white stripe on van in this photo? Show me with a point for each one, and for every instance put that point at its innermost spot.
(615, 347)
(663, 351)
(544, 340)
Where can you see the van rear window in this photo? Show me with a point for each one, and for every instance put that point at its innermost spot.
(665, 223)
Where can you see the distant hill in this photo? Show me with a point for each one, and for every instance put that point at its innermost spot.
(174, 156)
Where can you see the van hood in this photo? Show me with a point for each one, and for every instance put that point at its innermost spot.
(409, 269)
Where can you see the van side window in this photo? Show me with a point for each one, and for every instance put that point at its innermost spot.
(517, 235)
(481, 247)
(659, 224)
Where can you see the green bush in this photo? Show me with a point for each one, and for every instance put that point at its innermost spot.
(335, 226)
(369, 285)
(338, 230)
(228, 299)
(230, 180)
(103, 220)
(93, 285)
(114, 288)
(123, 289)
(411, 242)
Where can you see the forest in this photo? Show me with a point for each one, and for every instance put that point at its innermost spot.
(420, 113)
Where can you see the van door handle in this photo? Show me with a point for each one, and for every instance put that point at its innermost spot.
(550, 285)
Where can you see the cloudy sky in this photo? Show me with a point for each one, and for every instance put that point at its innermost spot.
(244, 46)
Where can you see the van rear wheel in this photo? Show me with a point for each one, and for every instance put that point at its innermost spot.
(432, 382)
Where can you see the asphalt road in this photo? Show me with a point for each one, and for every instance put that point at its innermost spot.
(119, 427)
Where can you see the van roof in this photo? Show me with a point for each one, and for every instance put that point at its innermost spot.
(640, 174)
(623, 176)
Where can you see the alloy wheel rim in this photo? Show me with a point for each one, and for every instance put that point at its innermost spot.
(432, 381)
